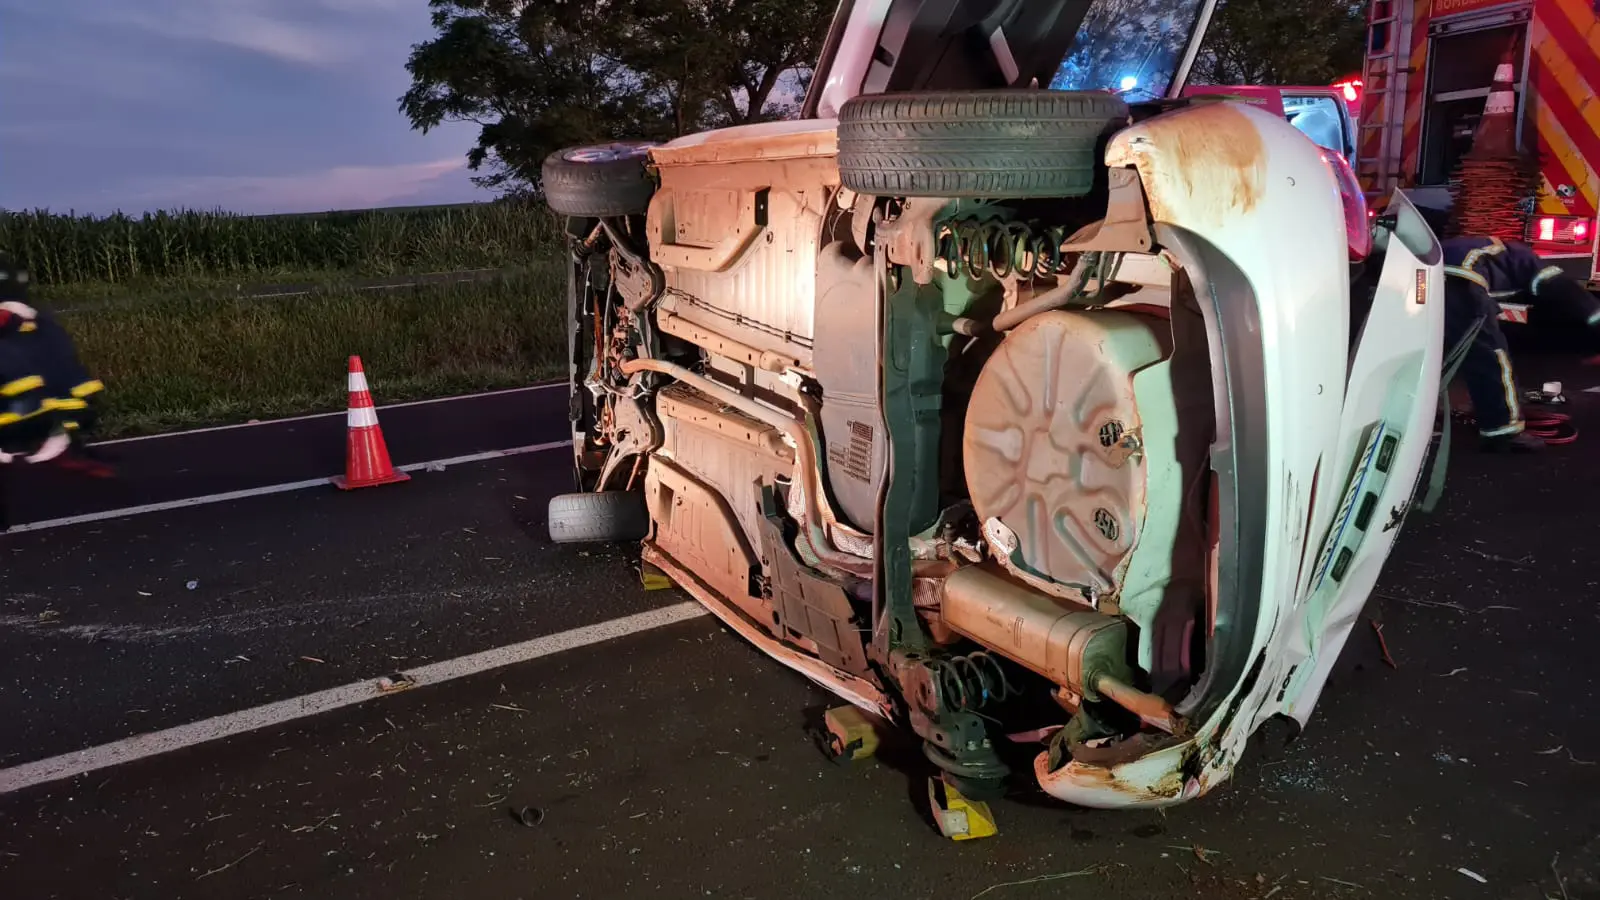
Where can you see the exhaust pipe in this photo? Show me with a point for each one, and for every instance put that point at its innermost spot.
(1081, 650)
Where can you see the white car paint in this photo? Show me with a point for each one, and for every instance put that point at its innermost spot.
(1277, 215)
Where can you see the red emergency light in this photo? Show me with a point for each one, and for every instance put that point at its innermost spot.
(1350, 88)
(1562, 229)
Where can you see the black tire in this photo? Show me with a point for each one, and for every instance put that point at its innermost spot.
(990, 144)
(601, 181)
(603, 517)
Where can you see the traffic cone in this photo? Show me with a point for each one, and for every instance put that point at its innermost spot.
(366, 460)
(1496, 135)
(1494, 183)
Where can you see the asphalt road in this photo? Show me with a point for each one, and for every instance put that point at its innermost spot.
(221, 460)
(676, 763)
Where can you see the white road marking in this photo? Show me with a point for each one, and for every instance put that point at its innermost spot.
(173, 434)
(207, 499)
(1593, 390)
(116, 753)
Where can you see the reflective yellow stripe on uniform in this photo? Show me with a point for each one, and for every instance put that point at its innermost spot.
(1509, 385)
(21, 386)
(54, 404)
(11, 418)
(1545, 274)
(1495, 248)
(1468, 274)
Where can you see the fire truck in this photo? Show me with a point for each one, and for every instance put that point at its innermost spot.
(1428, 72)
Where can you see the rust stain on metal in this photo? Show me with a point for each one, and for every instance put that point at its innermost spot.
(1169, 786)
(1207, 160)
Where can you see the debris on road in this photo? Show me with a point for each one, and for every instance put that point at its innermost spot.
(313, 659)
(1562, 747)
(1521, 563)
(1092, 870)
(225, 868)
(529, 816)
(1474, 876)
(192, 585)
(309, 828)
(1377, 628)
(397, 681)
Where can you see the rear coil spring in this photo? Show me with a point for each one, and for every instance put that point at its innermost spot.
(970, 682)
(976, 248)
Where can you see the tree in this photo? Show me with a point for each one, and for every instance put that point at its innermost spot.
(538, 75)
(1282, 42)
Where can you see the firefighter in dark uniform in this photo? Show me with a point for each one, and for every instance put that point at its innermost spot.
(1480, 272)
(47, 398)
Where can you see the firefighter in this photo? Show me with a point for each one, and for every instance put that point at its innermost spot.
(1480, 272)
(47, 398)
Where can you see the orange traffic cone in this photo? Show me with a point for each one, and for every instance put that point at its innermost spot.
(366, 460)
(1496, 134)
(1493, 183)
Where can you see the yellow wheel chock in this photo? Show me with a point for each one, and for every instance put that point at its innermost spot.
(653, 578)
(851, 733)
(958, 818)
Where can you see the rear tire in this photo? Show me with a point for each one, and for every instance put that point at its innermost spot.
(604, 517)
(601, 181)
(1006, 144)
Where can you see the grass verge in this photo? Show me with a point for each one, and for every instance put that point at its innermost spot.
(187, 361)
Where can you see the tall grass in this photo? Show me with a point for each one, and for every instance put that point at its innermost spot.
(176, 362)
(127, 250)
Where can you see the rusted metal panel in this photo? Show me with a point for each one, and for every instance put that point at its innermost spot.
(1206, 163)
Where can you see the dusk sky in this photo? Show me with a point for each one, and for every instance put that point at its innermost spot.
(254, 106)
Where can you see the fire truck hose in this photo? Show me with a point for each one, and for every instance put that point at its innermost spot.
(1551, 427)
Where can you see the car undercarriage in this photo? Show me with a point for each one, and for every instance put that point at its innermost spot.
(960, 405)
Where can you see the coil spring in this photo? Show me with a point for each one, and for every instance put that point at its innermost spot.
(970, 682)
(1001, 249)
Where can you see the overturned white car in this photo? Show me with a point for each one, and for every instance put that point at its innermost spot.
(1008, 391)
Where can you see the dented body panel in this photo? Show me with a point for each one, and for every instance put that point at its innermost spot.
(1325, 423)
